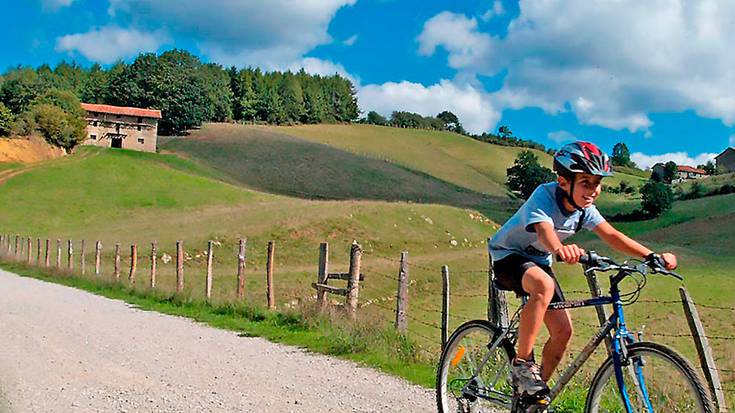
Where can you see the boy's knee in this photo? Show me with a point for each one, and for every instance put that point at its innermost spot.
(538, 284)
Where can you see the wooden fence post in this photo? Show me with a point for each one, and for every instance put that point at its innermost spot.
(58, 253)
(97, 253)
(17, 247)
(704, 350)
(402, 295)
(47, 254)
(323, 274)
(83, 263)
(133, 263)
(208, 286)
(241, 269)
(269, 275)
(38, 252)
(2, 244)
(29, 249)
(69, 255)
(179, 266)
(353, 285)
(445, 304)
(154, 252)
(116, 270)
(497, 305)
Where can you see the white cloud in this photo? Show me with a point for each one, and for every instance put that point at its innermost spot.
(561, 136)
(471, 105)
(680, 158)
(54, 5)
(496, 10)
(611, 63)
(732, 140)
(350, 40)
(272, 35)
(107, 44)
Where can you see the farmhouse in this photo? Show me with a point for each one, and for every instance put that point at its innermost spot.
(683, 172)
(122, 127)
(726, 160)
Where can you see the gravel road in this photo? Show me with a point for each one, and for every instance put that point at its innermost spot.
(65, 350)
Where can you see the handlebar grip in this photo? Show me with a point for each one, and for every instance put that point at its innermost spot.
(588, 258)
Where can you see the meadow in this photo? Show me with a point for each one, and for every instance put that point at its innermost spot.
(213, 186)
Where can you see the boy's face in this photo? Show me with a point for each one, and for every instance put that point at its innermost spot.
(586, 188)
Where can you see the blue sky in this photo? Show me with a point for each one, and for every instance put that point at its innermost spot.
(657, 75)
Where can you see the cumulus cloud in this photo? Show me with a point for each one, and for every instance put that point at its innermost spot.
(680, 158)
(54, 5)
(110, 43)
(471, 105)
(561, 136)
(731, 141)
(350, 40)
(611, 63)
(272, 35)
(496, 10)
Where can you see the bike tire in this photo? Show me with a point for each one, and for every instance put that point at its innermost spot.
(504, 350)
(676, 372)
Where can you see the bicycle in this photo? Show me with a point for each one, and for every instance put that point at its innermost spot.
(638, 376)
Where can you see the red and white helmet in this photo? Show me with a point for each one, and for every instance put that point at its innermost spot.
(582, 157)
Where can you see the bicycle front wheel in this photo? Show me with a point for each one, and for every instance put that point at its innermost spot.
(656, 378)
(460, 387)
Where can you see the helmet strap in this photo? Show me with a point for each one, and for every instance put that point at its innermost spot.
(570, 195)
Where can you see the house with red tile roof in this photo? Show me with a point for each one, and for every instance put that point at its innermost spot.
(122, 127)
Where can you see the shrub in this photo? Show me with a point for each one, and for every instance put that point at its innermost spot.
(6, 120)
(657, 198)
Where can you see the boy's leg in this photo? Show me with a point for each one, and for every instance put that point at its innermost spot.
(559, 323)
(540, 288)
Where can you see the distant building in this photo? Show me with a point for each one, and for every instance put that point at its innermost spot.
(122, 127)
(726, 160)
(683, 172)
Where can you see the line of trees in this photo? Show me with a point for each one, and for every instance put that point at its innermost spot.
(187, 91)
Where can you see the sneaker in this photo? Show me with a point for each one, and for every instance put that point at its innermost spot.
(526, 376)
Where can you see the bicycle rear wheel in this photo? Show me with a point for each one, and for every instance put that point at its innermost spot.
(657, 379)
(458, 389)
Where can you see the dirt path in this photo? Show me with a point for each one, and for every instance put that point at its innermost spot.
(65, 350)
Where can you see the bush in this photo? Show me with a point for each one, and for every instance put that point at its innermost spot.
(56, 126)
(6, 120)
(527, 173)
(657, 198)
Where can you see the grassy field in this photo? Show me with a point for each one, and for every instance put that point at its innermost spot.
(128, 197)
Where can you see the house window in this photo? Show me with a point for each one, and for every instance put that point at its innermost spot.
(93, 137)
(140, 120)
(141, 140)
(138, 127)
(94, 123)
(117, 116)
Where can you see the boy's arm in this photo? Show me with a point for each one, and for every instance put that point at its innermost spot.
(548, 238)
(627, 245)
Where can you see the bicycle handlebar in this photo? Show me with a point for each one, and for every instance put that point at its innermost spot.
(596, 262)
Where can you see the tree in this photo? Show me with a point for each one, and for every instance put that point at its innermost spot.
(657, 198)
(376, 118)
(709, 168)
(670, 170)
(450, 121)
(505, 132)
(19, 88)
(527, 174)
(621, 155)
(6, 120)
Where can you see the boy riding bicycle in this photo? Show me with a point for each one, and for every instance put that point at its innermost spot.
(522, 253)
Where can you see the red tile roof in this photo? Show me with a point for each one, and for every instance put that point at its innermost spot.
(122, 110)
(686, 168)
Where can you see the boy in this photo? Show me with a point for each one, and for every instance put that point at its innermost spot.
(523, 248)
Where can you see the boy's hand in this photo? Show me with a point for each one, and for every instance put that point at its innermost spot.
(670, 260)
(571, 253)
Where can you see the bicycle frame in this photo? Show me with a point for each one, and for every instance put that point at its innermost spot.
(615, 323)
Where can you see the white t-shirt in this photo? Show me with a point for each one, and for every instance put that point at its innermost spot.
(518, 235)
